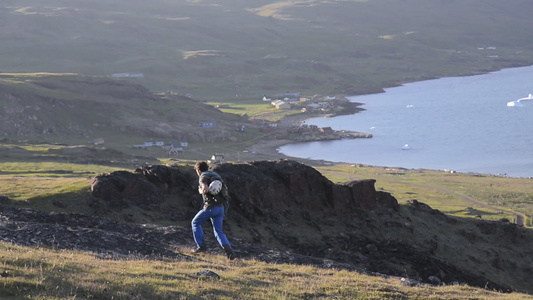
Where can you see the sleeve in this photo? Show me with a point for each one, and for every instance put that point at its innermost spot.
(203, 184)
(204, 180)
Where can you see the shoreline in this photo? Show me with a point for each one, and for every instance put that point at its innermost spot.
(268, 149)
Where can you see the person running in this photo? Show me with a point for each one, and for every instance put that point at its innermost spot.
(213, 209)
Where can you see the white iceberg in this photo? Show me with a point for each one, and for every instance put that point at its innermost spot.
(520, 101)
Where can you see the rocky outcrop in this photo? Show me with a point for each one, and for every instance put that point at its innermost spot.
(269, 187)
(292, 207)
(258, 189)
(286, 212)
(122, 189)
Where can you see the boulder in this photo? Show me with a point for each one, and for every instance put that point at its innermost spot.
(120, 189)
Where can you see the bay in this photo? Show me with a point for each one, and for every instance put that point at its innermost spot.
(456, 123)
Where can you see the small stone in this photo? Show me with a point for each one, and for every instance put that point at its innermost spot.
(207, 273)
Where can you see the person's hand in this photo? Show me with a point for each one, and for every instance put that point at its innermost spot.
(202, 189)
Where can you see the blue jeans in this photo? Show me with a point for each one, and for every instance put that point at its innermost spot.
(216, 214)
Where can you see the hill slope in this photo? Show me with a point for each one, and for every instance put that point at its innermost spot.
(71, 109)
(220, 49)
(292, 208)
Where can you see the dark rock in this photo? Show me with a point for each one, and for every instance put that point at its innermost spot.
(100, 235)
(364, 195)
(435, 280)
(257, 189)
(208, 274)
(121, 188)
(169, 179)
(370, 248)
(260, 188)
(409, 282)
(4, 200)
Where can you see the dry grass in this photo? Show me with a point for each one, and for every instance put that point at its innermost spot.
(37, 273)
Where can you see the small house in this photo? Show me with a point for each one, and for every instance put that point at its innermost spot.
(326, 130)
(279, 104)
(217, 158)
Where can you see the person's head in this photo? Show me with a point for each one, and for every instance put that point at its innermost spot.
(201, 166)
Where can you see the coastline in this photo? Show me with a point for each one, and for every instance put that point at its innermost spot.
(268, 149)
(495, 166)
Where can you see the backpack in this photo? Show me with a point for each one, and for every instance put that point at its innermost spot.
(223, 195)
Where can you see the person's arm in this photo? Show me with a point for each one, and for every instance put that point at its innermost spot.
(203, 187)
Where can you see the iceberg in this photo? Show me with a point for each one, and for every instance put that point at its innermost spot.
(520, 101)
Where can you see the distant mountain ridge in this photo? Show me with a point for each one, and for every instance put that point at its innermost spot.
(224, 49)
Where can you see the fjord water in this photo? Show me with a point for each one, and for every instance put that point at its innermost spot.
(458, 123)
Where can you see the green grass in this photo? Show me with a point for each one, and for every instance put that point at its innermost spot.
(255, 109)
(446, 192)
(49, 186)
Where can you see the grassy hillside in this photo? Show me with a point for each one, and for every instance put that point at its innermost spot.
(464, 195)
(75, 110)
(46, 273)
(239, 50)
(52, 274)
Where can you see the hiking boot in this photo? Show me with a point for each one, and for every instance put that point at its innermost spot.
(229, 252)
(200, 249)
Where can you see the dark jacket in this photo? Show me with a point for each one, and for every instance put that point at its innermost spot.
(211, 200)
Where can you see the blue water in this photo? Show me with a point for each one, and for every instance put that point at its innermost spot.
(458, 123)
